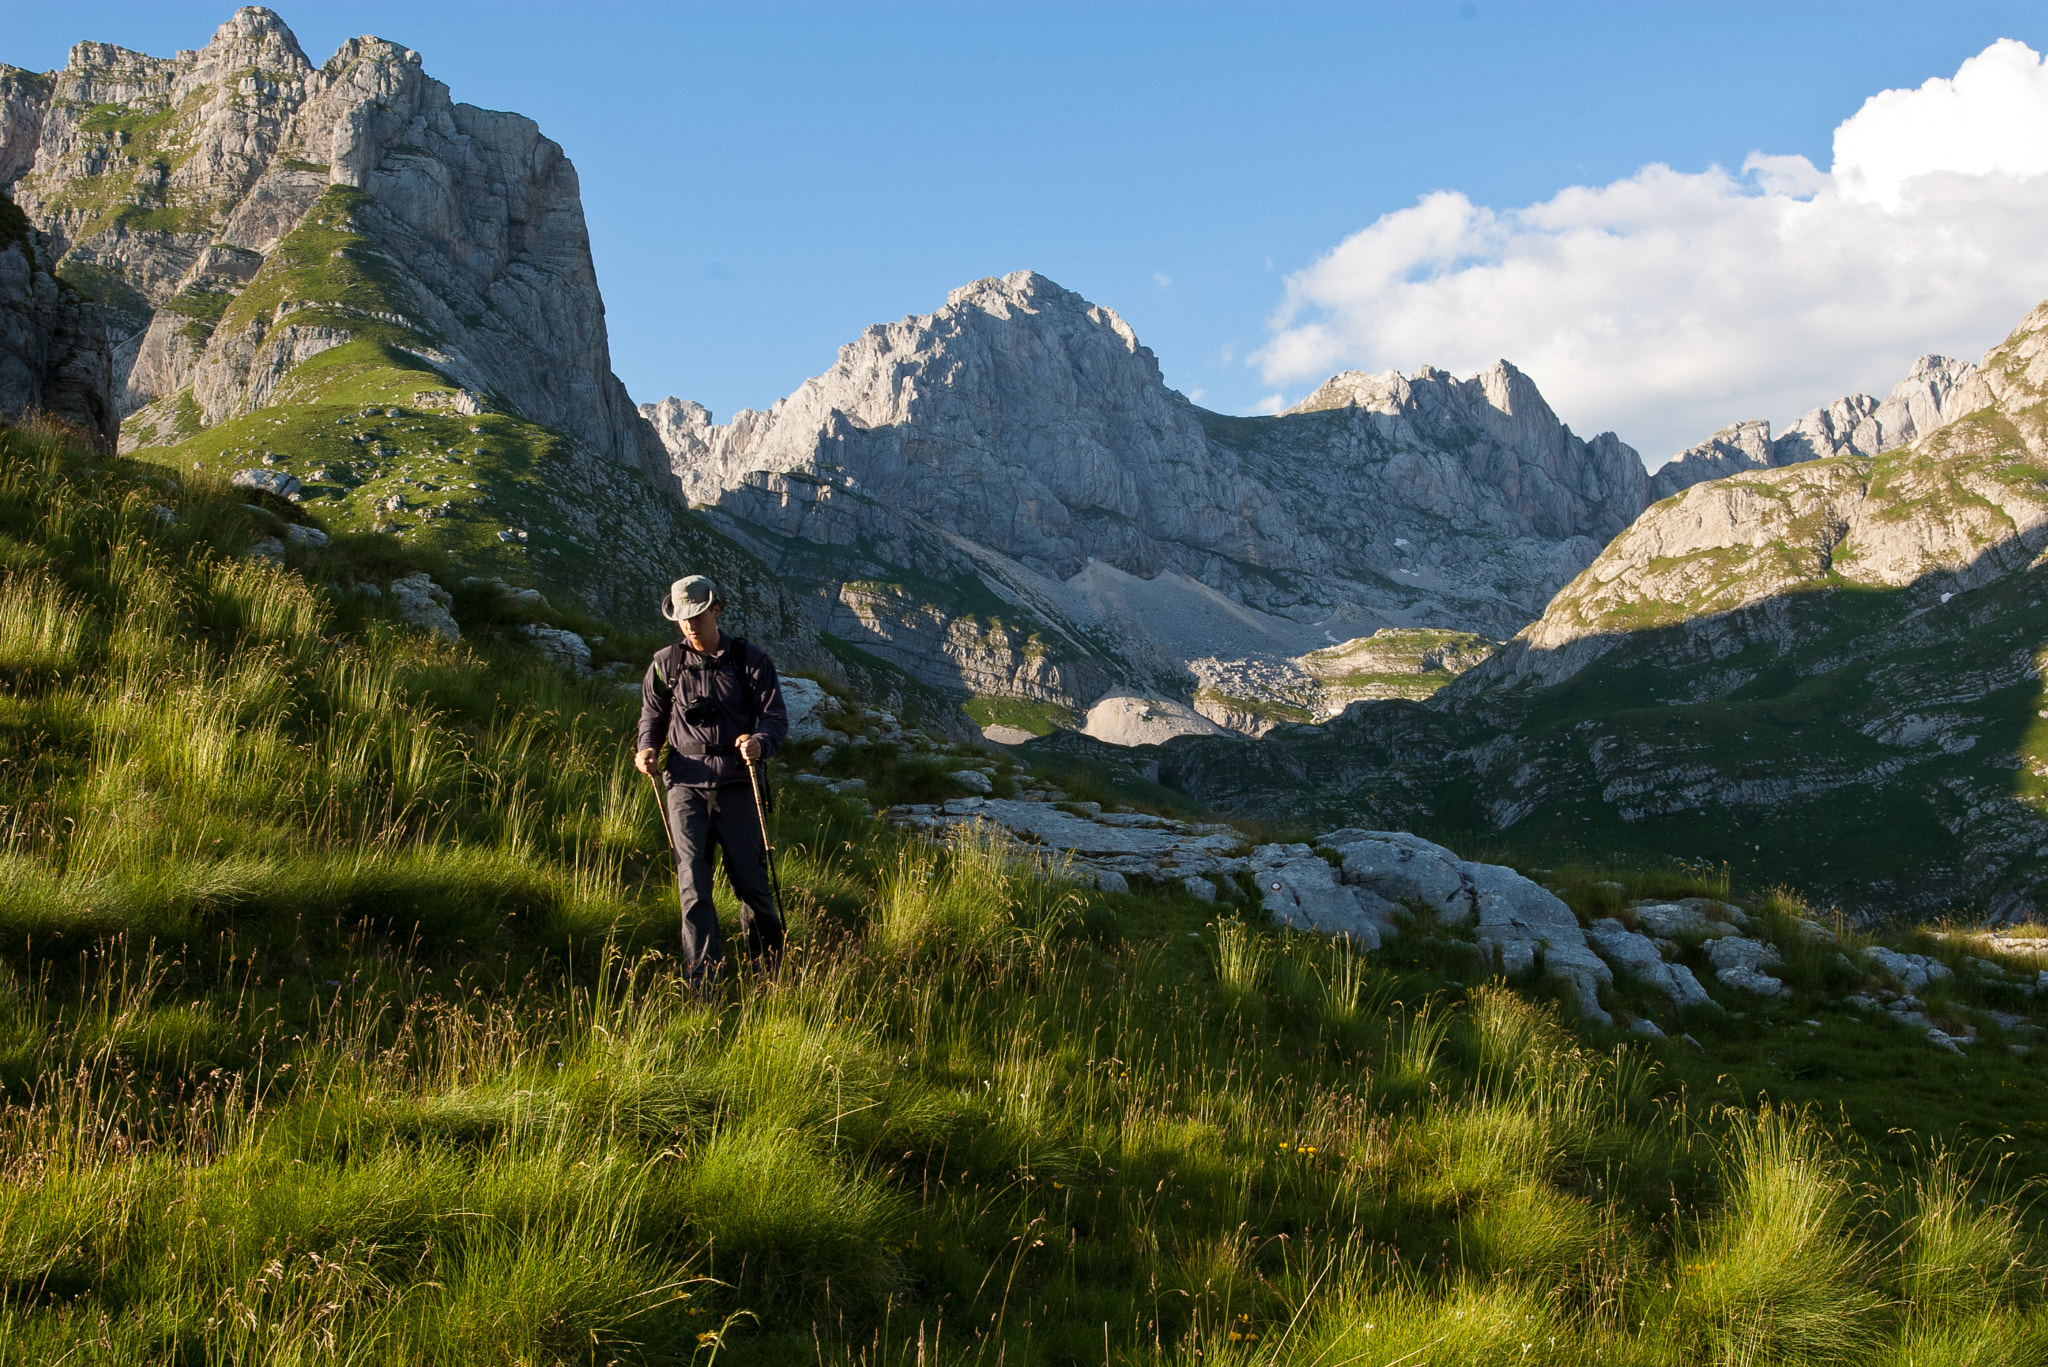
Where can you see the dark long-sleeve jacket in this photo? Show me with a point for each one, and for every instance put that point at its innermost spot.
(745, 696)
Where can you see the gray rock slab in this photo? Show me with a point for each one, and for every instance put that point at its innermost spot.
(1400, 867)
(1049, 826)
(268, 481)
(1638, 956)
(1694, 918)
(1299, 889)
(1740, 962)
(425, 604)
(1524, 924)
(1520, 925)
(1914, 972)
(1941, 1039)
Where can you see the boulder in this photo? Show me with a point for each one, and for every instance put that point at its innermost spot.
(805, 702)
(277, 482)
(1638, 956)
(565, 648)
(300, 535)
(973, 780)
(1739, 962)
(1299, 889)
(425, 604)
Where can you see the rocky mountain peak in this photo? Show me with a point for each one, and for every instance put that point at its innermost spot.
(1018, 457)
(1514, 394)
(1935, 392)
(254, 43)
(1499, 399)
(168, 187)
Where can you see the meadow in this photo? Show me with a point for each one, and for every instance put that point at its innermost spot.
(336, 1025)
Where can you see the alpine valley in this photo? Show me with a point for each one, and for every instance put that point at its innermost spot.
(1390, 882)
(1416, 600)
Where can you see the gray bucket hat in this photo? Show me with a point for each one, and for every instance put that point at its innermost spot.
(690, 596)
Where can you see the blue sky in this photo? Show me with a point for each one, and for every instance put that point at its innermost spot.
(764, 180)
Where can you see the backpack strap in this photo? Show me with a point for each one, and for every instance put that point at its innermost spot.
(735, 660)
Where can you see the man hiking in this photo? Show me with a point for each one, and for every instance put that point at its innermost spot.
(715, 702)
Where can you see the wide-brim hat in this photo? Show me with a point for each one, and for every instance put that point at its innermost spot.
(691, 596)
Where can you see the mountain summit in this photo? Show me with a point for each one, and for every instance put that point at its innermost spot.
(343, 284)
(165, 185)
(1017, 455)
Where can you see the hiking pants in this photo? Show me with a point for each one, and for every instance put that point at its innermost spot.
(699, 818)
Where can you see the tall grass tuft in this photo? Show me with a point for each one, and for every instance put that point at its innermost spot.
(1242, 960)
(43, 630)
(1778, 1275)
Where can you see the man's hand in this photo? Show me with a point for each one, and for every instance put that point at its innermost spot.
(644, 762)
(750, 747)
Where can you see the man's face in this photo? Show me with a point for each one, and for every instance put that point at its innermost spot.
(701, 631)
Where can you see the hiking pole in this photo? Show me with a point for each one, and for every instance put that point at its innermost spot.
(767, 845)
(661, 806)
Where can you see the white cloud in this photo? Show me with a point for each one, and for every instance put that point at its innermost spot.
(1670, 303)
(1161, 279)
(1270, 405)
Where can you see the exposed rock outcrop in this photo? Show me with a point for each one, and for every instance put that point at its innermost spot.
(1935, 392)
(167, 186)
(1947, 516)
(54, 356)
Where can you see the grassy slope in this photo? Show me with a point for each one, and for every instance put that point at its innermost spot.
(333, 1025)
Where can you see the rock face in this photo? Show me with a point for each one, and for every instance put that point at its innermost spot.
(1935, 392)
(1948, 515)
(54, 356)
(1004, 497)
(341, 284)
(1828, 674)
(166, 186)
(1520, 925)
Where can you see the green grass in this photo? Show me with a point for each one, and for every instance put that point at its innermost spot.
(336, 1023)
(1039, 718)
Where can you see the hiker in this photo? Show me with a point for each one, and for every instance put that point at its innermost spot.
(714, 700)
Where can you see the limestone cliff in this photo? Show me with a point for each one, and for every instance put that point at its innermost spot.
(1936, 391)
(379, 298)
(54, 357)
(166, 186)
(1020, 446)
